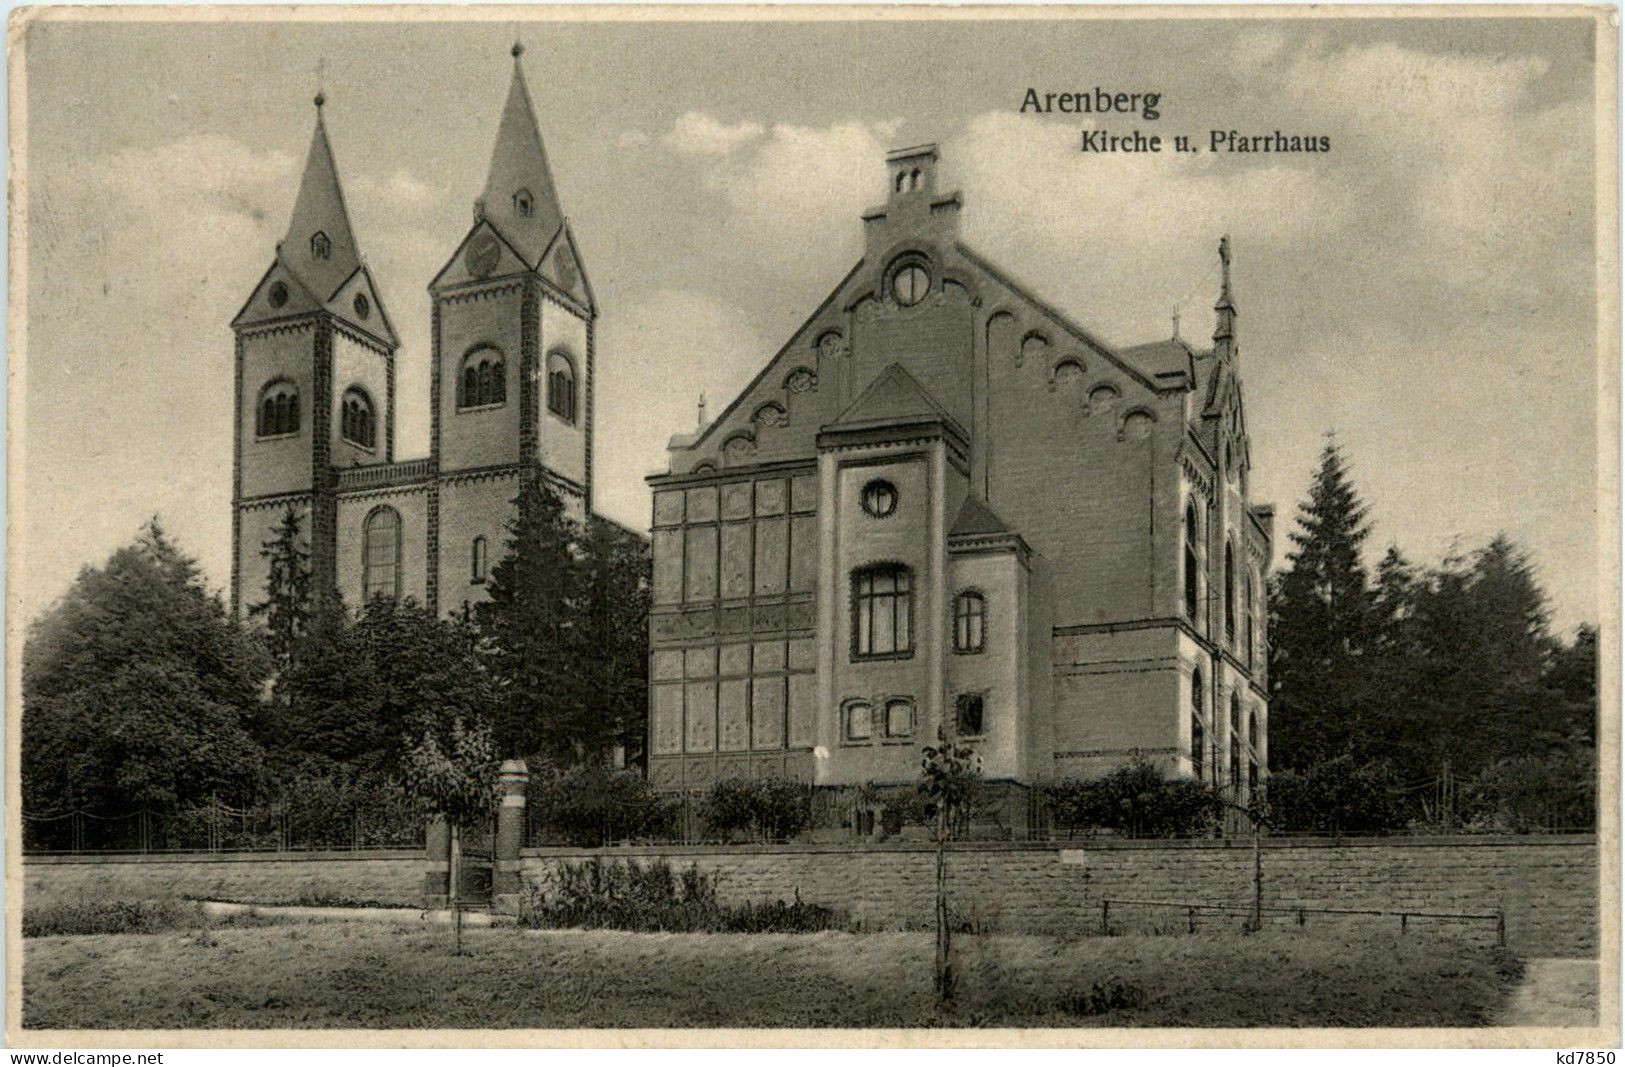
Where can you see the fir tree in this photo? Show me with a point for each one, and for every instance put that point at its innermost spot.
(531, 632)
(1321, 617)
(286, 608)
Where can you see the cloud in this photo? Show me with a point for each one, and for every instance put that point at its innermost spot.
(661, 351)
(698, 134)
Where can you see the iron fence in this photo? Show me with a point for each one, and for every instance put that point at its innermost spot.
(1188, 915)
(382, 823)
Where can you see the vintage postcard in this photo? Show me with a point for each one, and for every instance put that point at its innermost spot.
(870, 526)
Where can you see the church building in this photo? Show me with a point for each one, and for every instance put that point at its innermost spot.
(511, 388)
(945, 506)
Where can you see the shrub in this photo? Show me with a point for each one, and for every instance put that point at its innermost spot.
(772, 809)
(590, 806)
(1101, 998)
(1336, 796)
(1136, 801)
(625, 895)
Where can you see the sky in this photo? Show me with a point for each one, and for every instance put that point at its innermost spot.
(1425, 290)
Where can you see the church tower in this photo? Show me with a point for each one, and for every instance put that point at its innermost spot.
(315, 380)
(512, 363)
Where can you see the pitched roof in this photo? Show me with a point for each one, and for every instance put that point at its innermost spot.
(894, 396)
(976, 518)
(1161, 360)
(319, 209)
(519, 164)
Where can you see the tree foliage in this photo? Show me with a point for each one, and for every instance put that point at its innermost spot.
(1426, 679)
(564, 633)
(138, 689)
(286, 609)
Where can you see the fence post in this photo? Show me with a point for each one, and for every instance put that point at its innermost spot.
(1404, 920)
(1501, 927)
(513, 781)
(1192, 918)
(1105, 916)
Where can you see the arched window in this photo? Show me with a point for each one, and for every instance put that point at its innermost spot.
(357, 422)
(523, 204)
(320, 246)
(561, 386)
(278, 410)
(1248, 606)
(1252, 730)
(1235, 741)
(902, 179)
(1192, 594)
(970, 622)
(883, 612)
(914, 180)
(477, 561)
(968, 714)
(1229, 592)
(381, 554)
(1198, 738)
(484, 380)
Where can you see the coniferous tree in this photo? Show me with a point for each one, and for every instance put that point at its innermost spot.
(286, 609)
(616, 573)
(1321, 612)
(531, 631)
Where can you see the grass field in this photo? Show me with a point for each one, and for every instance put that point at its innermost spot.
(354, 974)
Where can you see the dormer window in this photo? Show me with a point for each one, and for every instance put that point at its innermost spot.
(320, 246)
(524, 204)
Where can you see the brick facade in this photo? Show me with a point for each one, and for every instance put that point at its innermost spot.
(1068, 464)
(509, 295)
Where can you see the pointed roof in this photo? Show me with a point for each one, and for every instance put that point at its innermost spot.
(319, 209)
(894, 396)
(977, 519)
(519, 165)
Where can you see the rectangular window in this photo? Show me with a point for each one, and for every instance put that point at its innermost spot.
(883, 612)
(859, 722)
(900, 718)
(970, 622)
(968, 714)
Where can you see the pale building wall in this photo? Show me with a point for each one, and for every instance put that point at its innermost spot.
(412, 503)
(480, 436)
(277, 464)
(563, 444)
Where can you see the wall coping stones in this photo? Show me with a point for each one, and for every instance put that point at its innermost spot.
(291, 856)
(1078, 845)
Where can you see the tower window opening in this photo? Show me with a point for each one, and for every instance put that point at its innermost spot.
(523, 203)
(357, 422)
(561, 387)
(1192, 593)
(484, 380)
(320, 246)
(278, 411)
(970, 622)
(478, 562)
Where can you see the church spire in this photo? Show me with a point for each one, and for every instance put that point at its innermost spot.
(520, 198)
(320, 247)
(1224, 326)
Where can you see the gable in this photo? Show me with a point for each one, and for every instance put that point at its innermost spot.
(357, 303)
(484, 254)
(561, 266)
(267, 302)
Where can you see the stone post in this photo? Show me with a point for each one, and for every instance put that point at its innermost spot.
(513, 780)
(437, 861)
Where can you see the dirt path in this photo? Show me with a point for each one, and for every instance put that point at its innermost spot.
(1555, 992)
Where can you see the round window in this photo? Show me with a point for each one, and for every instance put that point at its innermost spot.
(879, 498)
(279, 295)
(363, 306)
(909, 285)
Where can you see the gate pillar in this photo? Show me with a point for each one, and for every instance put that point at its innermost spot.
(513, 781)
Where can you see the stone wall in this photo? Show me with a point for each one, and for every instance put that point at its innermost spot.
(393, 877)
(1547, 886)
